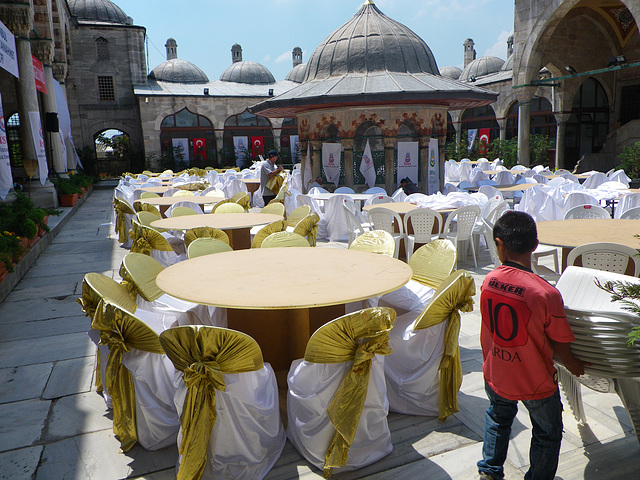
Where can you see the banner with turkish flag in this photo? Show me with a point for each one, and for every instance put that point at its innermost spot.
(484, 135)
(200, 148)
(257, 146)
(38, 73)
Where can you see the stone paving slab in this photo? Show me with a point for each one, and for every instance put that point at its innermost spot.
(24, 383)
(52, 290)
(77, 414)
(44, 328)
(48, 349)
(70, 377)
(22, 423)
(20, 464)
(34, 281)
(43, 309)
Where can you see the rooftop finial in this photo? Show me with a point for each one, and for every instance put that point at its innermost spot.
(369, 2)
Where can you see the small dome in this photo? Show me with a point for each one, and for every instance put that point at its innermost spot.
(508, 65)
(371, 42)
(451, 72)
(247, 72)
(178, 71)
(98, 11)
(481, 67)
(297, 73)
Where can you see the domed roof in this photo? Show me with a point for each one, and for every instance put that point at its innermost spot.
(178, 71)
(451, 72)
(371, 42)
(508, 65)
(297, 73)
(481, 67)
(247, 72)
(98, 11)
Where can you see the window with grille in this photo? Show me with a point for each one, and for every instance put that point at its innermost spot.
(102, 48)
(105, 89)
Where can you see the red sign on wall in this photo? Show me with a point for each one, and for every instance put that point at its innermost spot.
(38, 73)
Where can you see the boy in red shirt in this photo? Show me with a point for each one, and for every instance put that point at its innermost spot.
(523, 326)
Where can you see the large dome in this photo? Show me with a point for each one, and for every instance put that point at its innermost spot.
(247, 72)
(98, 11)
(371, 42)
(481, 67)
(178, 71)
(508, 65)
(451, 72)
(297, 73)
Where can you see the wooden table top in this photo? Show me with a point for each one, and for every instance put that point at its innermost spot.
(159, 190)
(398, 207)
(168, 201)
(358, 197)
(516, 188)
(223, 221)
(283, 278)
(575, 232)
(251, 180)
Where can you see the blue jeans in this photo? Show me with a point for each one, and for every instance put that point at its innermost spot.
(546, 418)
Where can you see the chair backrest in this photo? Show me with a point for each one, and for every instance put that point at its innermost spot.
(183, 193)
(140, 206)
(497, 210)
(586, 211)
(97, 287)
(148, 240)
(344, 190)
(376, 190)
(308, 227)
(610, 257)
(284, 239)
(422, 221)
(214, 192)
(595, 180)
(504, 177)
(315, 190)
(381, 199)
(169, 192)
(274, 208)
(264, 232)
(627, 202)
(376, 241)
(242, 199)
(149, 195)
(205, 232)
(490, 191)
(632, 213)
(145, 218)
(466, 218)
(573, 199)
(180, 211)
(206, 246)
(355, 228)
(185, 203)
(297, 214)
(491, 244)
(309, 201)
(138, 273)
(433, 262)
(384, 219)
(230, 208)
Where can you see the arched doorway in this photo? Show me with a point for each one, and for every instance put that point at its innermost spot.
(187, 139)
(368, 131)
(254, 131)
(112, 152)
(588, 125)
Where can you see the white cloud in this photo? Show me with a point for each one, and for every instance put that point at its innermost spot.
(266, 59)
(283, 57)
(499, 49)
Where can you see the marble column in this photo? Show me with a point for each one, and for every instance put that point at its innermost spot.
(389, 156)
(458, 128)
(502, 123)
(524, 124)
(561, 137)
(28, 100)
(316, 155)
(347, 145)
(423, 155)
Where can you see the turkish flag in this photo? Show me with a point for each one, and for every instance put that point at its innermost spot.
(200, 148)
(257, 146)
(484, 135)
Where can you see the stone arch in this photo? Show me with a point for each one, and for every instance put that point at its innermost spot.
(113, 151)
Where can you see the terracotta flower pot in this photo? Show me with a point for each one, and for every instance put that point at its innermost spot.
(68, 199)
(3, 272)
(41, 231)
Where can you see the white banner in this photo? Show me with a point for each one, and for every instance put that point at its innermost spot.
(180, 149)
(8, 54)
(6, 179)
(433, 172)
(471, 137)
(294, 145)
(307, 173)
(408, 159)
(331, 161)
(367, 168)
(64, 121)
(240, 145)
(38, 142)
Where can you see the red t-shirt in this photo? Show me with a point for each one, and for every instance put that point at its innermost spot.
(521, 313)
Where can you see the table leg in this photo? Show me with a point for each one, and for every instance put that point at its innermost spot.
(240, 238)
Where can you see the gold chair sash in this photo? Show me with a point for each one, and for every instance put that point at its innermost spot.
(354, 337)
(205, 354)
(140, 206)
(139, 272)
(121, 331)
(205, 232)
(433, 262)
(230, 207)
(275, 209)
(297, 215)
(264, 232)
(242, 199)
(148, 240)
(376, 241)
(275, 183)
(122, 208)
(308, 227)
(454, 295)
(221, 202)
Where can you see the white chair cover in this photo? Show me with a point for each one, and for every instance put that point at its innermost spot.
(335, 221)
(451, 173)
(464, 171)
(595, 179)
(233, 185)
(573, 199)
(185, 203)
(291, 200)
(296, 181)
(376, 191)
(490, 191)
(477, 175)
(620, 176)
(399, 195)
(625, 203)
(504, 177)
(414, 198)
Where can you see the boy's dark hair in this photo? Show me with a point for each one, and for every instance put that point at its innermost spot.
(517, 230)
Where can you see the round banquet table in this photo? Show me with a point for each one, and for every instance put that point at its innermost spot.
(237, 225)
(401, 208)
(569, 234)
(163, 203)
(281, 296)
(252, 184)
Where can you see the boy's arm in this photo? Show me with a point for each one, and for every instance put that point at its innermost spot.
(571, 363)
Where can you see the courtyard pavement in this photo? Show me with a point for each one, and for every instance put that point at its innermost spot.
(53, 425)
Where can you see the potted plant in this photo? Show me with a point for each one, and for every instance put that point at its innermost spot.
(68, 192)
(10, 249)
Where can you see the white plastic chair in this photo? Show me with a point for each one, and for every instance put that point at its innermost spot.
(595, 180)
(382, 198)
(587, 211)
(632, 213)
(609, 257)
(421, 221)
(344, 190)
(626, 202)
(399, 195)
(465, 218)
(384, 219)
(490, 191)
(573, 199)
(504, 177)
(376, 190)
(355, 227)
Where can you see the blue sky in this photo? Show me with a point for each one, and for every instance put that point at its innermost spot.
(269, 29)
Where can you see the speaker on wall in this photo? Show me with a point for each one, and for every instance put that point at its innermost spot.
(51, 122)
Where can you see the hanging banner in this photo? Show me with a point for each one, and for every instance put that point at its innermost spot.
(6, 179)
(38, 74)
(408, 159)
(294, 145)
(64, 122)
(483, 141)
(471, 137)
(180, 149)
(8, 54)
(307, 173)
(331, 161)
(240, 145)
(200, 148)
(433, 168)
(257, 146)
(367, 168)
(38, 142)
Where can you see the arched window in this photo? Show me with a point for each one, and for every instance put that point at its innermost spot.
(543, 122)
(189, 138)
(368, 132)
(479, 118)
(102, 48)
(257, 131)
(288, 150)
(14, 140)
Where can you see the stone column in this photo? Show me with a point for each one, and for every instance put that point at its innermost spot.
(502, 123)
(316, 158)
(347, 145)
(524, 124)
(458, 127)
(561, 137)
(389, 155)
(43, 50)
(423, 155)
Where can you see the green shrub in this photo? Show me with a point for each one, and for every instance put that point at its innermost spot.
(630, 160)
